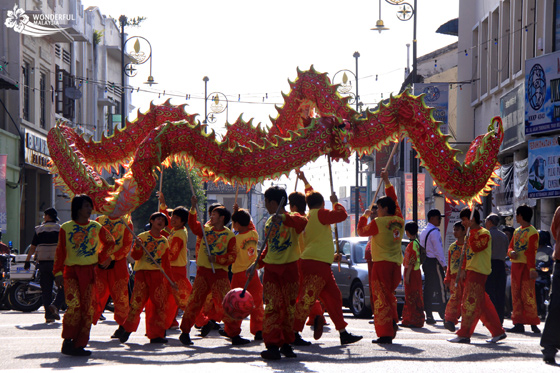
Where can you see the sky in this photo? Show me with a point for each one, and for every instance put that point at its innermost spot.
(250, 49)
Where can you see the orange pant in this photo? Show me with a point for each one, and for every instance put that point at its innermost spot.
(151, 290)
(385, 277)
(318, 283)
(255, 288)
(79, 288)
(113, 282)
(280, 290)
(523, 296)
(413, 310)
(206, 283)
(477, 305)
(453, 308)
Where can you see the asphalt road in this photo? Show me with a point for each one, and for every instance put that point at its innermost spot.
(28, 344)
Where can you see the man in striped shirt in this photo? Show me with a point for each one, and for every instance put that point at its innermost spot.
(43, 246)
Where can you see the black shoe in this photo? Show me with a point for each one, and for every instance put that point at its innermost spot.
(347, 338)
(53, 311)
(67, 347)
(239, 341)
(258, 336)
(449, 326)
(535, 329)
(549, 360)
(124, 336)
(300, 341)
(317, 328)
(80, 351)
(430, 321)
(158, 340)
(517, 328)
(118, 332)
(271, 353)
(287, 351)
(383, 341)
(185, 339)
(223, 333)
(205, 330)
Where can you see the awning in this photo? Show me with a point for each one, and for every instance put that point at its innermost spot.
(449, 28)
(7, 83)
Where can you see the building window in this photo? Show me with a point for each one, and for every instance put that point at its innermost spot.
(485, 43)
(518, 31)
(25, 70)
(556, 25)
(43, 100)
(474, 66)
(494, 48)
(64, 104)
(505, 37)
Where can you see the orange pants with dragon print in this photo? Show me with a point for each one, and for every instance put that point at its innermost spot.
(113, 282)
(384, 278)
(478, 306)
(79, 288)
(523, 296)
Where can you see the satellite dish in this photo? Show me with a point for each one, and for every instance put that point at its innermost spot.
(73, 93)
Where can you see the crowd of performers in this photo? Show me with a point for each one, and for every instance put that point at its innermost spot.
(298, 283)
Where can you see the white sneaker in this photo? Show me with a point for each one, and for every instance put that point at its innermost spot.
(497, 338)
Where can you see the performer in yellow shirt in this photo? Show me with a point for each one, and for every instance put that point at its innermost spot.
(522, 251)
(151, 288)
(476, 304)
(386, 233)
(113, 281)
(318, 255)
(178, 257)
(222, 253)
(281, 279)
(247, 240)
(82, 244)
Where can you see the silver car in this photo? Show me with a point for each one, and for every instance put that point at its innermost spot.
(352, 279)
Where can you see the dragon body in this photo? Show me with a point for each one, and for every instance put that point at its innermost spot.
(248, 155)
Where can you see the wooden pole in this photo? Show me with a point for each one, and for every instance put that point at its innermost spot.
(386, 167)
(335, 225)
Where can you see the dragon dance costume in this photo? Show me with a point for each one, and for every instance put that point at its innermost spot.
(386, 254)
(453, 308)
(476, 302)
(525, 243)
(114, 281)
(222, 245)
(151, 288)
(413, 310)
(318, 281)
(80, 248)
(281, 279)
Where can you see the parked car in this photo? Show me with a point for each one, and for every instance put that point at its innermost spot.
(352, 280)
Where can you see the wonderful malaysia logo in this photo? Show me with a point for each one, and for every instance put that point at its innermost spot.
(36, 25)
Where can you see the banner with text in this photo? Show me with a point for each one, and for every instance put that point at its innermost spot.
(408, 196)
(544, 170)
(436, 95)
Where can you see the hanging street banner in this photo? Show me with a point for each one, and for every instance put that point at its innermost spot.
(362, 199)
(521, 184)
(503, 193)
(542, 98)
(408, 196)
(512, 111)
(436, 95)
(3, 211)
(543, 167)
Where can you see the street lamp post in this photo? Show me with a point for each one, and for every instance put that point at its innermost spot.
(345, 89)
(405, 14)
(205, 79)
(123, 20)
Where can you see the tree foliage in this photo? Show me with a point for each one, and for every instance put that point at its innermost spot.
(177, 192)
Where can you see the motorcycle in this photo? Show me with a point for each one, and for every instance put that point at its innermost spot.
(543, 282)
(20, 289)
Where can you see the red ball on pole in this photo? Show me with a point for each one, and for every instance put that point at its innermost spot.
(238, 303)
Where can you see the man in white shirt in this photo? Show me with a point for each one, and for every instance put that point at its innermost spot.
(434, 267)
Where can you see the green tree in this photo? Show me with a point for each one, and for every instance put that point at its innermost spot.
(177, 192)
